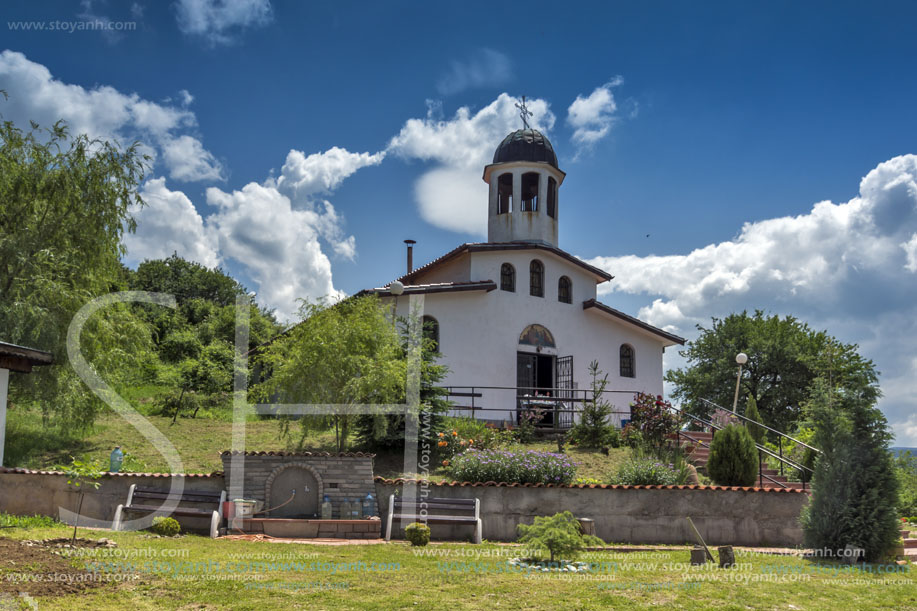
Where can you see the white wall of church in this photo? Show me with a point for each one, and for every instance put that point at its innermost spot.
(479, 331)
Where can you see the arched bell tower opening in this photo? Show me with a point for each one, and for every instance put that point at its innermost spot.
(523, 180)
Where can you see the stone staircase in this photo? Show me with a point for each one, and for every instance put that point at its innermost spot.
(908, 549)
(697, 451)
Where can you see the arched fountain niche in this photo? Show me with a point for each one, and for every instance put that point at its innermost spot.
(281, 483)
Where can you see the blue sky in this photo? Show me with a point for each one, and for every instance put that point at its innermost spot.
(714, 127)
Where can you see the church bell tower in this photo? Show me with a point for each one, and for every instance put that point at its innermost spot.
(524, 180)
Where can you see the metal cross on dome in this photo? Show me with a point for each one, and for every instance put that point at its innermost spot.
(524, 113)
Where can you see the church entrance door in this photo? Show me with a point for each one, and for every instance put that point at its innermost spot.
(534, 378)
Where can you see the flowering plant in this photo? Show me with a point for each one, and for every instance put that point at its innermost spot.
(653, 418)
(449, 444)
(526, 467)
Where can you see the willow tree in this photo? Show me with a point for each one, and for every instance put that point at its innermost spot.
(64, 204)
(343, 356)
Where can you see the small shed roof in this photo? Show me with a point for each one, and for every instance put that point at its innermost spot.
(21, 358)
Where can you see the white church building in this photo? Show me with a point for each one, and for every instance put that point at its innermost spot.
(517, 317)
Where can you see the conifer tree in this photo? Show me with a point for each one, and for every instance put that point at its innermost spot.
(751, 412)
(854, 491)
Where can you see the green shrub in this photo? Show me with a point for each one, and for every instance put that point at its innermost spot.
(166, 527)
(906, 471)
(733, 458)
(466, 427)
(751, 412)
(526, 467)
(560, 535)
(646, 471)
(417, 533)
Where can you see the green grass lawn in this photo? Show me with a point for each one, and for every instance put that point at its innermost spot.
(199, 442)
(194, 572)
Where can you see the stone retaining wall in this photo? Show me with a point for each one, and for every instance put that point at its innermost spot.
(627, 514)
(339, 476)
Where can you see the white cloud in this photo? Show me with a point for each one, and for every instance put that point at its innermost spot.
(591, 117)
(110, 33)
(169, 223)
(485, 68)
(303, 176)
(219, 20)
(189, 160)
(104, 112)
(910, 249)
(460, 147)
(845, 267)
(465, 207)
(277, 244)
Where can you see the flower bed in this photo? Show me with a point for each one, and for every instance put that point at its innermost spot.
(527, 467)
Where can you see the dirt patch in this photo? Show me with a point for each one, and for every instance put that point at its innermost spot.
(35, 569)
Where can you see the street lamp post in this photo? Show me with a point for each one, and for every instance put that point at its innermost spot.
(741, 359)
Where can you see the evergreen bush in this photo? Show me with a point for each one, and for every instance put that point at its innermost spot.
(593, 430)
(560, 535)
(417, 533)
(733, 458)
(166, 527)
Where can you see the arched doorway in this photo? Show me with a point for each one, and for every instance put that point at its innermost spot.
(542, 378)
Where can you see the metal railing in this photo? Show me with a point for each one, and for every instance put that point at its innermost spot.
(561, 404)
(564, 403)
(780, 435)
(762, 451)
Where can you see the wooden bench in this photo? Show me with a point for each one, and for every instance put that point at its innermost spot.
(437, 511)
(156, 497)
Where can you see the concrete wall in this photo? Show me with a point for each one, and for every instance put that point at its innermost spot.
(634, 515)
(622, 514)
(32, 493)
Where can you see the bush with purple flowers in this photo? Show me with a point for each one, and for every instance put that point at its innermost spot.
(525, 467)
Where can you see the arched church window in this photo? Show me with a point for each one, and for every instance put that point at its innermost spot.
(552, 198)
(505, 193)
(536, 278)
(431, 331)
(564, 290)
(507, 278)
(530, 192)
(627, 361)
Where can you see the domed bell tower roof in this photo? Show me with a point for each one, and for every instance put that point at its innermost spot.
(526, 145)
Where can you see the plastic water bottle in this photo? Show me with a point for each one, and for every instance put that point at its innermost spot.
(326, 508)
(355, 509)
(369, 506)
(117, 457)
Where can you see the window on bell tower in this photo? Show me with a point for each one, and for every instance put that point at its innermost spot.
(530, 192)
(505, 193)
(552, 198)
